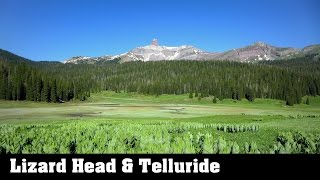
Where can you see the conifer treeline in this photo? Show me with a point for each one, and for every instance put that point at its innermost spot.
(20, 81)
(53, 82)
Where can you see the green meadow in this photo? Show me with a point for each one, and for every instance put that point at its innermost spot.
(110, 122)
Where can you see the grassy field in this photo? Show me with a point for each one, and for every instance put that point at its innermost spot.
(111, 122)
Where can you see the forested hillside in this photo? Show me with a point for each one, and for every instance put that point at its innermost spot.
(53, 82)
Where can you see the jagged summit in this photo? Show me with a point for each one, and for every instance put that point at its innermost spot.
(154, 42)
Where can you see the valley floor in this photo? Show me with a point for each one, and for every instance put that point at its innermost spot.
(131, 123)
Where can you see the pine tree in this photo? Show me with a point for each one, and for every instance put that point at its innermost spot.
(289, 101)
(249, 95)
(9, 91)
(21, 91)
(234, 94)
(3, 83)
(38, 89)
(190, 95)
(239, 94)
(45, 93)
(298, 97)
(308, 101)
(29, 89)
(54, 95)
(214, 100)
(312, 89)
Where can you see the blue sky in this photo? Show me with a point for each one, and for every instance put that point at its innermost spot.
(60, 29)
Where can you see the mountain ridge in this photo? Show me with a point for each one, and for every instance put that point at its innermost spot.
(154, 52)
(255, 52)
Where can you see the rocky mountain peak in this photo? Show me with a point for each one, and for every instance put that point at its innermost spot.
(154, 42)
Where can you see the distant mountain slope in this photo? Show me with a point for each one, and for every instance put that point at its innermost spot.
(153, 52)
(10, 57)
(312, 51)
(258, 51)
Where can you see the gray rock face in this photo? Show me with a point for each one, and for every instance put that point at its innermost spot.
(155, 53)
(255, 52)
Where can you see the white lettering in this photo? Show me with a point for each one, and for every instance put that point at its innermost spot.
(127, 166)
(156, 167)
(77, 165)
(214, 167)
(14, 168)
(144, 163)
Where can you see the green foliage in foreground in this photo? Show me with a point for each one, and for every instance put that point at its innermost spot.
(297, 142)
(159, 137)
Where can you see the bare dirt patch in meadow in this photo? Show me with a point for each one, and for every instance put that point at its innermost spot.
(106, 105)
(78, 114)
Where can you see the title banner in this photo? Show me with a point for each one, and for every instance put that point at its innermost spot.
(168, 165)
